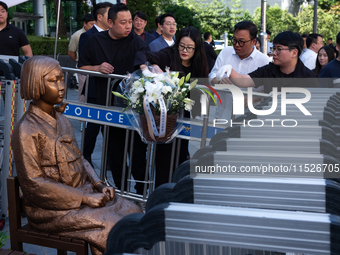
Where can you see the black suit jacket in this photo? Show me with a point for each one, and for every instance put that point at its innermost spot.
(211, 55)
(82, 40)
(84, 36)
(148, 37)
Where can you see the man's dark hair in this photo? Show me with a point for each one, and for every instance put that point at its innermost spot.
(206, 35)
(87, 18)
(304, 35)
(268, 32)
(290, 39)
(247, 25)
(338, 38)
(100, 9)
(140, 15)
(158, 20)
(168, 14)
(4, 5)
(312, 38)
(330, 38)
(120, 7)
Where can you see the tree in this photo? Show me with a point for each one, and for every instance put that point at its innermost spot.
(278, 20)
(236, 12)
(62, 25)
(335, 10)
(146, 6)
(326, 4)
(215, 18)
(246, 15)
(26, 7)
(323, 4)
(184, 16)
(327, 25)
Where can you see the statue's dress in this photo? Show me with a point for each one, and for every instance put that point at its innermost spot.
(53, 176)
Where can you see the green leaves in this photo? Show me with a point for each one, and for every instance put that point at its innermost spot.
(3, 238)
(278, 20)
(119, 95)
(328, 25)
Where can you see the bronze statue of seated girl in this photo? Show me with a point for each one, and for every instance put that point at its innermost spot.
(62, 193)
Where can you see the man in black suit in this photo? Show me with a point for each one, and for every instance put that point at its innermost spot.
(100, 14)
(209, 50)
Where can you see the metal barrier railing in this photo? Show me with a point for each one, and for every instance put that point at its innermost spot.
(12, 103)
(76, 110)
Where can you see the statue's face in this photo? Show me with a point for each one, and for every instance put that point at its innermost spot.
(54, 87)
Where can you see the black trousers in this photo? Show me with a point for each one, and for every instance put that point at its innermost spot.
(116, 155)
(91, 133)
(163, 159)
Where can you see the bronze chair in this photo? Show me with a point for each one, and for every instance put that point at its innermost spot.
(25, 234)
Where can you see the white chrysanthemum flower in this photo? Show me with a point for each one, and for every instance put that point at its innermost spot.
(166, 89)
(140, 89)
(184, 89)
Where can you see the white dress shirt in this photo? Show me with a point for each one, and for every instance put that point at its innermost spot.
(98, 28)
(247, 65)
(308, 58)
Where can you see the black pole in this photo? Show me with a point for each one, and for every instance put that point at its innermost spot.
(315, 20)
(263, 34)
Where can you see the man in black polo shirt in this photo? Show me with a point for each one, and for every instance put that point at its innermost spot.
(11, 37)
(285, 70)
(114, 51)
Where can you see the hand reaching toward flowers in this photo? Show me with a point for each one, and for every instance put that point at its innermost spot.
(156, 69)
(148, 74)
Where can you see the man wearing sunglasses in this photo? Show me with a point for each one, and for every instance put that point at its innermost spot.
(242, 56)
(283, 72)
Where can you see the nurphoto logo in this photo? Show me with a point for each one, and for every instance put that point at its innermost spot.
(238, 103)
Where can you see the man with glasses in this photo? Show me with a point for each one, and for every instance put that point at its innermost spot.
(314, 43)
(168, 28)
(286, 67)
(242, 56)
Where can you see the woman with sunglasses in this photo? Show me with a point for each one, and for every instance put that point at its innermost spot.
(325, 55)
(187, 55)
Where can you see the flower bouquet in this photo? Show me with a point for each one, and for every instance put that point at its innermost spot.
(155, 101)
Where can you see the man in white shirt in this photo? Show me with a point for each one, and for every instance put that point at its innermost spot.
(243, 57)
(314, 42)
(168, 27)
